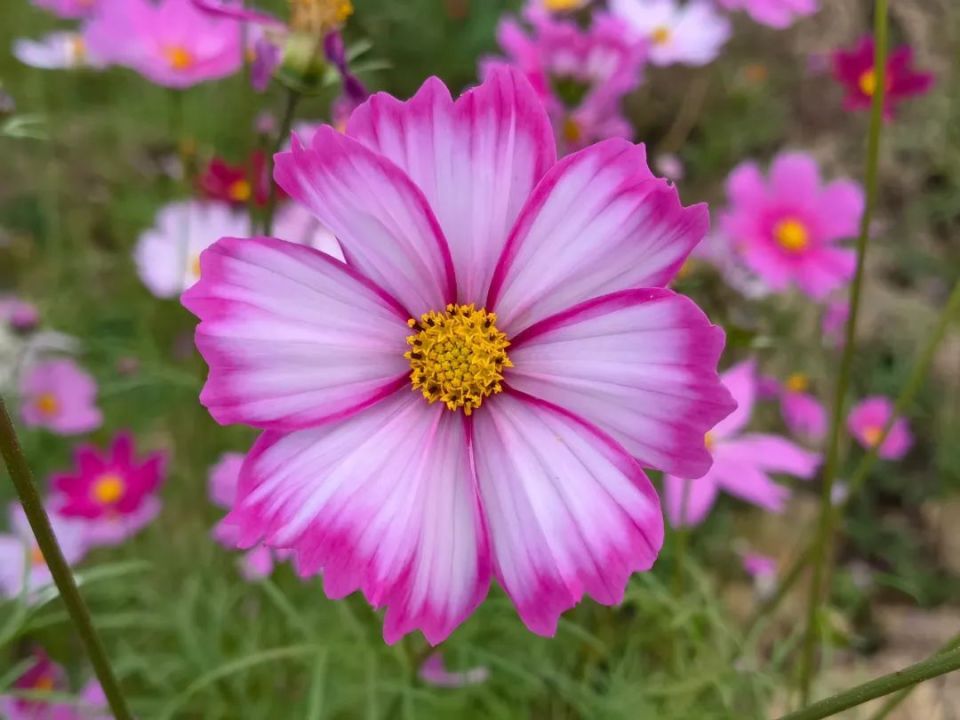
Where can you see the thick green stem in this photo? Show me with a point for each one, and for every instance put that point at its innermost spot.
(940, 664)
(289, 112)
(40, 524)
(894, 702)
(824, 538)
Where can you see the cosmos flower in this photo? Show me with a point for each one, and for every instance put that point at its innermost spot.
(238, 184)
(716, 251)
(787, 227)
(742, 461)
(171, 43)
(689, 34)
(56, 51)
(775, 13)
(763, 570)
(259, 562)
(69, 9)
(475, 392)
(867, 421)
(20, 315)
(434, 672)
(580, 74)
(114, 492)
(60, 396)
(21, 558)
(803, 414)
(854, 70)
(46, 676)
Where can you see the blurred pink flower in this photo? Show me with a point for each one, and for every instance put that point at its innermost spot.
(787, 227)
(56, 51)
(757, 565)
(19, 314)
(21, 559)
(60, 396)
(867, 420)
(691, 34)
(69, 9)
(854, 70)
(45, 676)
(451, 211)
(580, 74)
(113, 492)
(802, 412)
(293, 222)
(171, 42)
(834, 323)
(670, 166)
(434, 672)
(775, 13)
(741, 461)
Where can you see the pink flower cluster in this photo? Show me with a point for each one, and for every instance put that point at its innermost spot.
(46, 677)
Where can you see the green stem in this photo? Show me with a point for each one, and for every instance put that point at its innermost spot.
(682, 534)
(894, 702)
(824, 538)
(59, 569)
(289, 111)
(908, 677)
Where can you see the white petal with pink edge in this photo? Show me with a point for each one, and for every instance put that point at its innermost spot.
(640, 365)
(598, 222)
(293, 337)
(568, 510)
(477, 160)
(384, 502)
(384, 224)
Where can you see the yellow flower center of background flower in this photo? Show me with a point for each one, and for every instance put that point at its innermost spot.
(36, 556)
(798, 382)
(319, 16)
(457, 356)
(44, 682)
(868, 82)
(562, 5)
(108, 489)
(791, 235)
(572, 132)
(872, 435)
(239, 190)
(48, 404)
(709, 441)
(179, 57)
(195, 266)
(78, 48)
(660, 35)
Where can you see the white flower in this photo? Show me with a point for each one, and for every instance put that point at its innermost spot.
(56, 51)
(691, 34)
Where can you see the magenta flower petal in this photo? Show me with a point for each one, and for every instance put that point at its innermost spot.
(501, 139)
(644, 371)
(384, 502)
(773, 453)
(742, 383)
(293, 337)
(569, 511)
(867, 420)
(597, 223)
(701, 494)
(804, 415)
(223, 479)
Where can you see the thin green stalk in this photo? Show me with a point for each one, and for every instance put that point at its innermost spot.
(892, 704)
(824, 537)
(289, 112)
(940, 664)
(40, 524)
(682, 534)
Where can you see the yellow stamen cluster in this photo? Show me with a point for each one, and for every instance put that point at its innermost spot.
(179, 57)
(45, 683)
(108, 489)
(240, 190)
(872, 435)
(562, 5)
(457, 356)
(572, 132)
(36, 557)
(660, 35)
(48, 404)
(318, 17)
(868, 82)
(798, 383)
(792, 235)
(709, 441)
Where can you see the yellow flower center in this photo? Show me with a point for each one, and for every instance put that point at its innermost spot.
(179, 57)
(562, 5)
(44, 683)
(239, 190)
(872, 435)
(572, 132)
(319, 16)
(195, 266)
(36, 556)
(78, 48)
(798, 383)
(457, 356)
(48, 404)
(108, 489)
(660, 35)
(868, 82)
(792, 235)
(709, 441)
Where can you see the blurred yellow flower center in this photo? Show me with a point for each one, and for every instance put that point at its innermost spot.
(44, 682)
(572, 132)
(195, 266)
(78, 48)
(36, 556)
(562, 5)
(868, 82)
(709, 441)
(179, 57)
(108, 489)
(660, 35)
(319, 16)
(798, 383)
(239, 190)
(457, 356)
(872, 435)
(792, 235)
(48, 404)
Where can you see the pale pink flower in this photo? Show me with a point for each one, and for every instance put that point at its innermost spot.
(69, 9)
(670, 166)
(758, 566)
(691, 33)
(293, 222)
(60, 396)
(21, 559)
(20, 315)
(742, 461)
(56, 51)
(787, 227)
(775, 13)
(462, 231)
(434, 672)
(867, 421)
(834, 323)
(170, 42)
(716, 250)
(581, 74)
(802, 412)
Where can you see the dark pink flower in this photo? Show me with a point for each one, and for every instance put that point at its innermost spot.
(854, 69)
(60, 396)
(867, 421)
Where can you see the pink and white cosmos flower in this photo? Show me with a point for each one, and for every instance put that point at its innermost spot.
(787, 227)
(113, 493)
(690, 34)
(580, 74)
(69, 9)
(56, 51)
(171, 43)
(60, 396)
(775, 13)
(866, 423)
(475, 392)
(742, 461)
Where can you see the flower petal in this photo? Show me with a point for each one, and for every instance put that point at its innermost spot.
(742, 477)
(476, 160)
(384, 224)
(293, 337)
(569, 511)
(640, 365)
(598, 222)
(741, 381)
(693, 509)
(795, 175)
(774, 454)
(384, 502)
